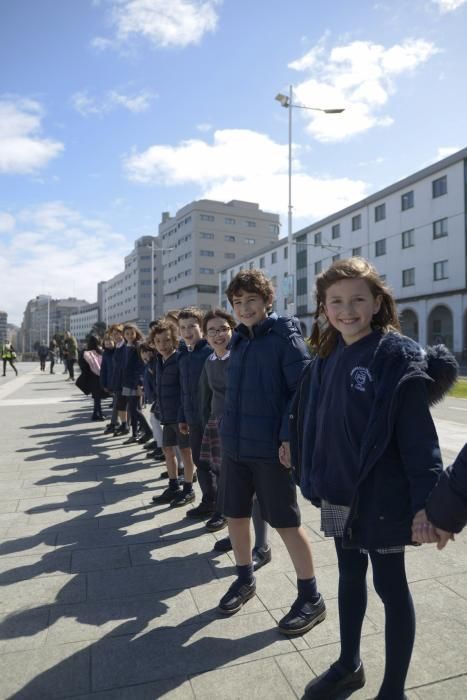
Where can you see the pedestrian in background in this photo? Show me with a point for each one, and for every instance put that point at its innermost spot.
(43, 352)
(70, 354)
(53, 350)
(9, 357)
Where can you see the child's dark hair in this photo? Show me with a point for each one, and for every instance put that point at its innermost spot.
(253, 281)
(191, 312)
(218, 313)
(94, 343)
(163, 326)
(133, 326)
(324, 336)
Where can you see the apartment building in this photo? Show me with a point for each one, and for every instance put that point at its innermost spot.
(135, 294)
(44, 317)
(415, 233)
(83, 321)
(199, 240)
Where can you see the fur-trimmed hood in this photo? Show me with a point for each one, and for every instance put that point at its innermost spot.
(398, 356)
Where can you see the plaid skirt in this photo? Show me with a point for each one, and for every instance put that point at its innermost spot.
(333, 519)
(211, 445)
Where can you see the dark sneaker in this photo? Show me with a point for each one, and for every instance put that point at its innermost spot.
(143, 439)
(150, 445)
(166, 496)
(302, 616)
(337, 680)
(217, 522)
(204, 510)
(109, 429)
(261, 556)
(236, 597)
(183, 499)
(130, 441)
(121, 431)
(223, 545)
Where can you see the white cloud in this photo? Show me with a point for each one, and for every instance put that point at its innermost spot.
(22, 149)
(55, 249)
(359, 76)
(243, 164)
(445, 151)
(204, 127)
(449, 5)
(7, 222)
(164, 24)
(87, 105)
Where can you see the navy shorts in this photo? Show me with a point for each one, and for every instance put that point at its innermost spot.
(272, 483)
(171, 436)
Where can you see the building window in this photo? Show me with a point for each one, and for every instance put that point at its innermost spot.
(380, 247)
(408, 277)
(231, 239)
(356, 222)
(250, 241)
(286, 252)
(380, 212)
(317, 238)
(408, 238)
(251, 224)
(440, 270)
(318, 267)
(274, 257)
(229, 220)
(336, 257)
(274, 228)
(407, 200)
(206, 235)
(262, 262)
(336, 231)
(440, 186)
(207, 253)
(206, 217)
(206, 271)
(357, 251)
(229, 256)
(440, 228)
(251, 266)
(302, 286)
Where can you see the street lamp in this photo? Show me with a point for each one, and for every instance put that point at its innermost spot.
(287, 102)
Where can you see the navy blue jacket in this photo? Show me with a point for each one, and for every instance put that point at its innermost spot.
(107, 368)
(262, 376)
(168, 393)
(149, 383)
(191, 365)
(399, 465)
(447, 504)
(118, 360)
(133, 368)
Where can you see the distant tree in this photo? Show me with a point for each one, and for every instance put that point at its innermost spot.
(99, 329)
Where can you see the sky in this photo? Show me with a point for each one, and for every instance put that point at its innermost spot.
(113, 111)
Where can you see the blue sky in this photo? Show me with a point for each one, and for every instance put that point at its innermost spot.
(112, 111)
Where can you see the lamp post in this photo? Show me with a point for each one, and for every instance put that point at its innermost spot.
(287, 102)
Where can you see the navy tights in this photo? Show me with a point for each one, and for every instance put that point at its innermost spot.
(390, 583)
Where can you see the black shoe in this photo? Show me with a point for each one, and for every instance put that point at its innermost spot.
(143, 439)
(261, 556)
(109, 429)
(302, 616)
(217, 522)
(121, 431)
(130, 441)
(223, 545)
(204, 510)
(325, 687)
(166, 496)
(183, 499)
(150, 445)
(155, 454)
(236, 597)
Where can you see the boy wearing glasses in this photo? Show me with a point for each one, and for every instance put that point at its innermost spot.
(267, 357)
(191, 362)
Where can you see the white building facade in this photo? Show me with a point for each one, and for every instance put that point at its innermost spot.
(415, 233)
(201, 239)
(83, 321)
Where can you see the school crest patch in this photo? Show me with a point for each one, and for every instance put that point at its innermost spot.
(360, 377)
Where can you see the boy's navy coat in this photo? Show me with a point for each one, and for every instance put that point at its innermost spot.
(133, 368)
(399, 465)
(191, 365)
(148, 383)
(263, 374)
(168, 388)
(118, 360)
(107, 368)
(447, 504)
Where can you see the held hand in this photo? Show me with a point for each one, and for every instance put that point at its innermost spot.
(423, 531)
(443, 537)
(284, 455)
(184, 429)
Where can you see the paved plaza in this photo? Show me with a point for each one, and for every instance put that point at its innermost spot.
(106, 597)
